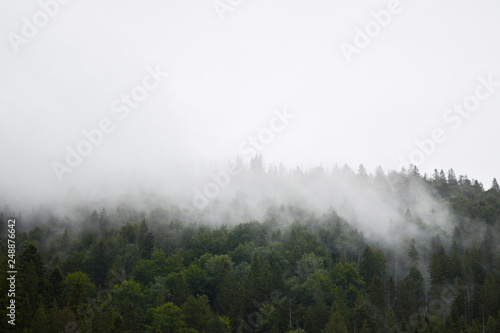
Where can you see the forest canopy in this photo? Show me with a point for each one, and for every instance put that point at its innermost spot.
(170, 269)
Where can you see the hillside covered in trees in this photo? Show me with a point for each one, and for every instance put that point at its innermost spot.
(170, 268)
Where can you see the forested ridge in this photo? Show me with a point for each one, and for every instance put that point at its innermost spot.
(126, 270)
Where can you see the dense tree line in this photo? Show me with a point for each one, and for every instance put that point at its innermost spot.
(138, 272)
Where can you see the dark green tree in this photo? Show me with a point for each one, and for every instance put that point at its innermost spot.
(411, 294)
(166, 318)
(197, 312)
(376, 292)
(413, 253)
(494, 185)
(372, 262)
(99, 262)
(336, 324)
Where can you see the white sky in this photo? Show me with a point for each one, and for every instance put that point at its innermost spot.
(227, 76)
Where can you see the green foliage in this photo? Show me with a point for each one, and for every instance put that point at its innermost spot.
(438, 266)
(77, 287)
(99, 262)
(372, 263)
(336, 324)
(347, 275)
(411, 294)
(166, 318)
(413, 253)
(316, 274)
(144, 271)
(129, 300)
(198, 313)
(376, 292)
(219, 324)
(491, 325)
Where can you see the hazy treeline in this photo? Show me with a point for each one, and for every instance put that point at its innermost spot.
(336, 251)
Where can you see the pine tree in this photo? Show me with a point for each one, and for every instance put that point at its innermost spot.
(103, 220)
(413, 253)
(442, 178)
(197, 312)
(372, 262)
(94, 221)
(317, 314)
(414, 172)
(391, 318)
(145, 240)
(391, 292)
(166, 318)
(362, 171)
(55, 285)
(99, 263)
(438, 266)
(365, 328)
(260, 278)
(456, 266)
(491, 325)
(411, 294)
(225, 293)
(494, 185)
(376, 292)
(336, 324)
(452, 179)
(149, 244)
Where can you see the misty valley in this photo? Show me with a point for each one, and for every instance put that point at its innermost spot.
(231, 166)
(277, 250)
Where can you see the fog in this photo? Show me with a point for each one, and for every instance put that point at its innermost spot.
(388, 209)
(207, 87)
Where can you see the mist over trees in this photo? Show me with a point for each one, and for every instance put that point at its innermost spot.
(277, 251)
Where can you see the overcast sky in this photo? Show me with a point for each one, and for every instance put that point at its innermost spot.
(230, 64)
